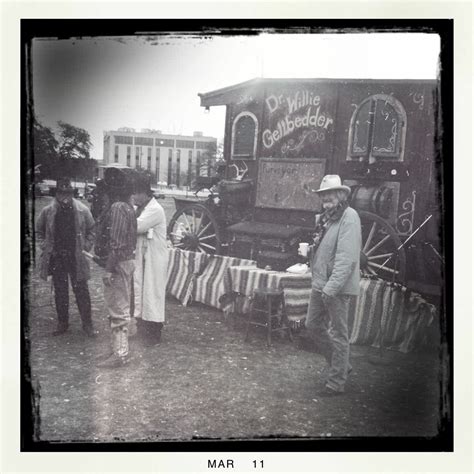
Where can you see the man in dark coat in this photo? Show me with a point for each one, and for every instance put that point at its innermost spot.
(334, 261)
(64, 229)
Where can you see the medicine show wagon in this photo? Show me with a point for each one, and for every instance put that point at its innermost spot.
(283, 135)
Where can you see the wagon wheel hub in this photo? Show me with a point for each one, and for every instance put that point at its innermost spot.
(190, 240)
(363, 260)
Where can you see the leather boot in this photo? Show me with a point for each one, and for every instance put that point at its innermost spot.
(90, 331)
(141, 329)
(120, 356)
(153, 336)
(104, 356)
(122, 349)
(61, 328)
(133, 328)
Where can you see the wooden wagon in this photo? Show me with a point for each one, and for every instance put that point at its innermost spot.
(283, 135)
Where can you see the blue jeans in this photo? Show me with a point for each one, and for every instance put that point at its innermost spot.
(327, 323)
(117, 294)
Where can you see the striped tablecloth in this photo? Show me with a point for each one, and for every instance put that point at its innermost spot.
(183, 268)
(242, 281)
(391, 316)
(197, 276)
(210, 284)
(383, 313)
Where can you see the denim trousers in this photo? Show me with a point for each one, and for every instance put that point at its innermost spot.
(118, 294)
(326, 321)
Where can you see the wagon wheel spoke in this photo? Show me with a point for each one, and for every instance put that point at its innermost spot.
(211, 236)
(372, 272)
(195, 221)
(205, 228)
(174, 234)
(375, 247)
(369, 238)
(384, 255)
(187, 222)
(200, 225)
(381, 267)
(194, 228)
(208, 246)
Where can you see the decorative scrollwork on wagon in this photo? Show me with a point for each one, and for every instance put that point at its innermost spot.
(405, 220)
(313, 136)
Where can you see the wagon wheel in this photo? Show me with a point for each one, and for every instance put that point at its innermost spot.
(194, 228)
(381, 253)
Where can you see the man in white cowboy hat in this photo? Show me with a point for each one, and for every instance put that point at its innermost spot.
(334, 261)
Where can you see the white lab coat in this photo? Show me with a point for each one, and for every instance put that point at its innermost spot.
(151, 264)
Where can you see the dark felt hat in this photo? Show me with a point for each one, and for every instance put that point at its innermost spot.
(142, 183)
(118, 179)
(63, 185)
(115, 178)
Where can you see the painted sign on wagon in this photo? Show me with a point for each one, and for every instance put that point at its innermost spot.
(289, 183)
(298, 121)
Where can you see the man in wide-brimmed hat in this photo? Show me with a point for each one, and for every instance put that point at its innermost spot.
(334, 262)
(64, 229)
(115, 249)
(151, 263)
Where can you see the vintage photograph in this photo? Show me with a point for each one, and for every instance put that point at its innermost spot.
(234, 234)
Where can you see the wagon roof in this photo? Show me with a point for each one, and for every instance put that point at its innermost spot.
(228, 94)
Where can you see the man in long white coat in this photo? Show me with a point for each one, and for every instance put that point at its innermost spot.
(151, 263)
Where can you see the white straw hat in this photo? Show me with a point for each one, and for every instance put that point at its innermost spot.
(332, 182)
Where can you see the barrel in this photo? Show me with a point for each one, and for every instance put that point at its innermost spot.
(234, 191)
(376, 199)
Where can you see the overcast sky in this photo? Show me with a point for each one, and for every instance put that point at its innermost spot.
(105, 83)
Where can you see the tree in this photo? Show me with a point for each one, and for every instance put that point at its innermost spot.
(45, 145)
(74, 142)
(212, 154)
(68, 156)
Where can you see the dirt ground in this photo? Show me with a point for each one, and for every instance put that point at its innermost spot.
(204, 381)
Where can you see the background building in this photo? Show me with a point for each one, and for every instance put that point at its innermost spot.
(172, 159)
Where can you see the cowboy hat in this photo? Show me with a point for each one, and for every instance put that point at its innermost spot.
(332, 182)
(119, 179)
(143, 183)
(63, 185)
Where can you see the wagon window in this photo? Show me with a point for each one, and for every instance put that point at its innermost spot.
(361, 127)
(244, 137)
(377, 130)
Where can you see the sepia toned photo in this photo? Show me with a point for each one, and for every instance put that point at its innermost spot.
(236, 233)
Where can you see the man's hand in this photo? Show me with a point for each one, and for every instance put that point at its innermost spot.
(107, 278)
(325, 297)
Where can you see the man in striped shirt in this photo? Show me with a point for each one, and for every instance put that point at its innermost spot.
(115, 250)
